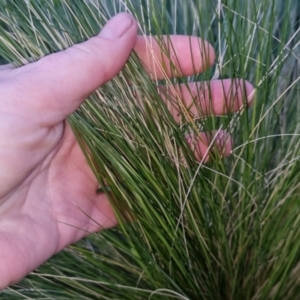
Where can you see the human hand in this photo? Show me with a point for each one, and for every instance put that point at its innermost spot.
(48, 194)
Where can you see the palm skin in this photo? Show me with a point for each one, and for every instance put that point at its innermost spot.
(48, 196)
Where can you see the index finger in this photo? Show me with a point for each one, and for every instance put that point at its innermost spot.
(174, 56)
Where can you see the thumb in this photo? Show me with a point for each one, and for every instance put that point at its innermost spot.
(56, 85)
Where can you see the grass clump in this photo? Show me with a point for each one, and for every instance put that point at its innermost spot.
(228, 229)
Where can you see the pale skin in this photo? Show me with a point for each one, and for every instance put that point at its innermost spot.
(48, 196)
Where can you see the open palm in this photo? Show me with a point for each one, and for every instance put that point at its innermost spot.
(48, 196)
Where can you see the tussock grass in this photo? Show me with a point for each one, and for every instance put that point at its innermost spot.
(228, 229)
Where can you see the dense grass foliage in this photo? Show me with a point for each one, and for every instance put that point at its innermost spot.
(227, 229)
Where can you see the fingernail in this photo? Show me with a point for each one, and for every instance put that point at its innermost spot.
(117, 26)
(223, 142)
(250, 92)
(246, 90)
